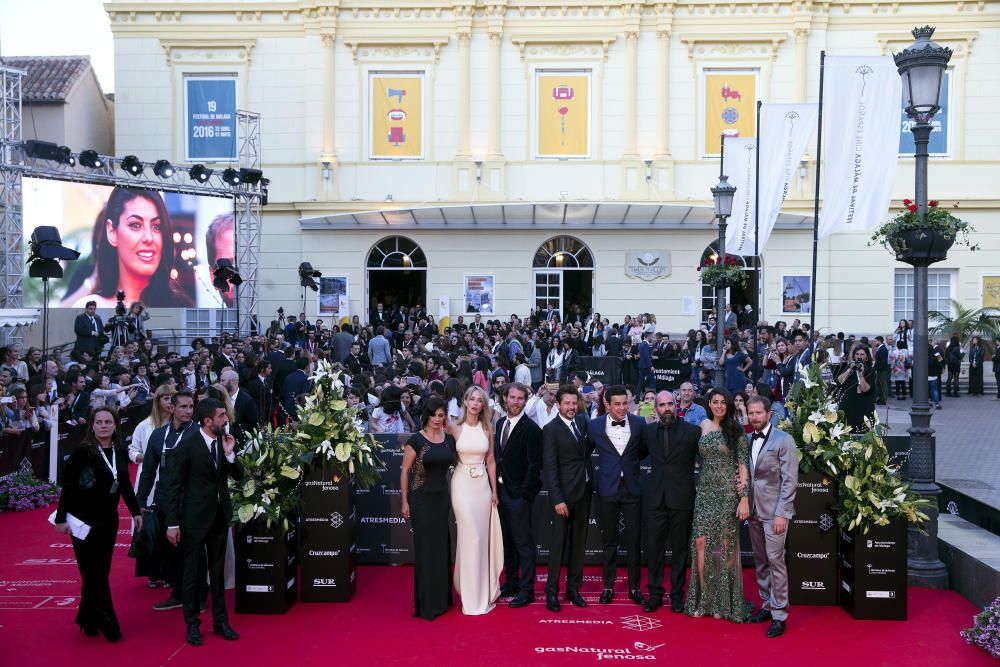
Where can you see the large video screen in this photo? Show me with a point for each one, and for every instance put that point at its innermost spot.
(157, 247)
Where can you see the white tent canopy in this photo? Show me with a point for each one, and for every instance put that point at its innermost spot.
(18, 317)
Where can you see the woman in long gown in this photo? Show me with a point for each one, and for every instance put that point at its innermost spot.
(716, 586)
(479, 551)
(426, 458)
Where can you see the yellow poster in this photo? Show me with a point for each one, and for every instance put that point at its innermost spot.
(396, 115)
(730, 107)
(563, 115)
(991, 291)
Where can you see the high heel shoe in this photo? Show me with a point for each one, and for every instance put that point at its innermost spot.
(90, 630)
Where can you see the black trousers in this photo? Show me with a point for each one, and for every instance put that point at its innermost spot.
(168, 556)
(93, 557)
(661, 521)
(518, 541)
(195, 566)
(569, 533)
(609, 510)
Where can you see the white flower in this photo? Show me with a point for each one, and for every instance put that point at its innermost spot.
(816, 417)
(837, 431)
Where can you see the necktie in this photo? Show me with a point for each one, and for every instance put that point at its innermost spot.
(576, 431)
(621, 423)
(504, 435)
(759, 435)
(215, 453)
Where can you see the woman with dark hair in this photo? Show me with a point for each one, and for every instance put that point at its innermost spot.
(426, 502)
(453, 392)
(976, 355)
(716, 586)
(856, 380)
(389, 417)
(953, 355)
(95, 477)
(133, 252)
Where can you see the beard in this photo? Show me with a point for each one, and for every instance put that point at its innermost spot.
(667, 419)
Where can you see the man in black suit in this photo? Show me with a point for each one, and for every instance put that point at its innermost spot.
(244, 407)
(199, 511)
(881, 371)
(613, 342)
(517, 448)
(88, 327)
(568, 471)
(295, 384)
(260, 389)
(671, 445)
(78, 400)
(280, 372)
(616, 438)
(224, 358)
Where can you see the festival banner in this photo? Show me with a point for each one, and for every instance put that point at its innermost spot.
(861, 142)
(480, 294)
(796, 295)
(395, 107)
(210, 118)
(730, 106)
(332, 292)
(991, 292)
(563, 123)
(739, 164)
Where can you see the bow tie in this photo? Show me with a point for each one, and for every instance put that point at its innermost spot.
(621, 423)
(759, 435)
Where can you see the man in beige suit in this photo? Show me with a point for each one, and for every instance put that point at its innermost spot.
(774, 472)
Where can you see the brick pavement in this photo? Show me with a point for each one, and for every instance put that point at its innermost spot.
(968, 440)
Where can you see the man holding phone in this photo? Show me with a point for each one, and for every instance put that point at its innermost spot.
(198, 512)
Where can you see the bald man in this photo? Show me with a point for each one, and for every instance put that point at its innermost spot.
(245, 416)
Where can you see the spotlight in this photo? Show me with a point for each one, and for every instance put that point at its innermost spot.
(200, 173)
(41, 150)
(306, 275)
(225, 274)
(163, 169)
(231, 176)
(132, 165)
(251, 176)
(90, 158)
(46, 251)
(66, 156)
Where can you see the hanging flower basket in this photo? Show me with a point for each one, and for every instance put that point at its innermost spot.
(923, 242)
(716, 273)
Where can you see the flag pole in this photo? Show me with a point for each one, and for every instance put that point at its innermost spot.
(819, 155)
(756, 246)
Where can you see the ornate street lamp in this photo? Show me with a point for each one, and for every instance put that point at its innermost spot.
(922, 67)
(722, 196)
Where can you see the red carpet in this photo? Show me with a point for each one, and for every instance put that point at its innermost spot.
(39, 585)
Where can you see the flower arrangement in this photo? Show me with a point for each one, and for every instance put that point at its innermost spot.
(985, 631)
(333, 434)
(870, 490)
(722, 272)
(270, 486)
(937, 219)
(22, 491)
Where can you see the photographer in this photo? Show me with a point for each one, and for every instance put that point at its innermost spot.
(857, 380)
(121, 327)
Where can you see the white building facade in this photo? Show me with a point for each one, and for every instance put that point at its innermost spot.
(461, 175)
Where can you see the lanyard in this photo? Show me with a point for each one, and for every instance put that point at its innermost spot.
(113, 464)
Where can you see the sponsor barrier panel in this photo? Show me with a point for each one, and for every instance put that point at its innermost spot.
(327, 518)
(873, 572)
(266, 568)
(607, 370)
(811, 545)
(667, 373)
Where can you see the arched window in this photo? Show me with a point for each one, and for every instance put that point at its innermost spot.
(563, 252)
(396, 252)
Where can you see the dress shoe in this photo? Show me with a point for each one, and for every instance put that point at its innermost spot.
(552, 603)
(576, 599)
(637, 597)
(607, 596)
(194, 635)
(508, 591)
(521, 600)
(224, 631)
(676, 605)
(168, 604)
(653, 603)
(776, 629)
(762, 616)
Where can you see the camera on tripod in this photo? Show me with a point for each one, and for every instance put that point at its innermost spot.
(122, 326)
(120, 309)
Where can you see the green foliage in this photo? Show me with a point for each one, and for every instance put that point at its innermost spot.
(936, 218)
(870, 491)
(270, 486)
(967, 322)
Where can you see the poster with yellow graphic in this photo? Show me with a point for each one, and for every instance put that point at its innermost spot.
(563, 114)
(396, 108)
(991, 292)
(730, 107)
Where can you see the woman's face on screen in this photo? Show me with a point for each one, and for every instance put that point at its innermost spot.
(138, 238)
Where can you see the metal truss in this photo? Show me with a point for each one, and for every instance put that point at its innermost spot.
(248, 224)
(11, 229)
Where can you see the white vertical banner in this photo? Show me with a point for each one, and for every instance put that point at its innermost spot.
(785, 130)
(444, 312)
(861, 141)
(739, 164)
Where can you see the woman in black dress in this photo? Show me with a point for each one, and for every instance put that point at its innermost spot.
(94, 478)
(426, 503)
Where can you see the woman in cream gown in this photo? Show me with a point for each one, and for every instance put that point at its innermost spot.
(479, 550)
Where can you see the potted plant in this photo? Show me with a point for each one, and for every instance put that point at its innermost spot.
(916, 241)
(984, 633)
(719, 273)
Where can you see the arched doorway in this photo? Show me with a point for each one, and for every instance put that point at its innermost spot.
(564, 276)
(740, 295)
(397, 274)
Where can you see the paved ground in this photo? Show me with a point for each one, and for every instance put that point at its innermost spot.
(968, 440)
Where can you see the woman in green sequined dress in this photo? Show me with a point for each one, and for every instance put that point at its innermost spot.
(716, 586)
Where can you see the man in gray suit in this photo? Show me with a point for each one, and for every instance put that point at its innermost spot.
(342, 343)
(774, 474)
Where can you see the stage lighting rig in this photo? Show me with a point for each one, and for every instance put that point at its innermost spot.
(163, 169)
(90, 158)
(132, 165)
(306, 275)
(231, 176)
(200, 173)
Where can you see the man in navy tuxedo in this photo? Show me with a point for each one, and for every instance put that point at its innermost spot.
(645, 363)
(295, 384)
(616, 437)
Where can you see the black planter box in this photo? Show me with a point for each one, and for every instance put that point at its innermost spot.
(327, 521)
(873, 572)
(921, 246)
(266, 568)
(811, 545)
